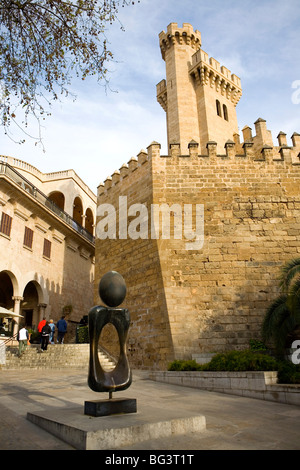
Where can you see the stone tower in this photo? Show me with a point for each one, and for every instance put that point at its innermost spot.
(190, 300)
(198, 95)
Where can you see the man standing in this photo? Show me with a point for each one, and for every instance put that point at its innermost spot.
(62, 329)
(23, 338)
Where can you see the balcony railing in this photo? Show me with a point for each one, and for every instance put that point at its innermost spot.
(10, 172)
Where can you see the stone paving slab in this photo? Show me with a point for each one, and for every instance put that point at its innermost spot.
(232, 422)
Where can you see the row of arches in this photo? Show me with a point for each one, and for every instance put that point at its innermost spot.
(27, 301)
(85, 219)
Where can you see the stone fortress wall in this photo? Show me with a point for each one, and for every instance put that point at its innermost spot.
(213, 298)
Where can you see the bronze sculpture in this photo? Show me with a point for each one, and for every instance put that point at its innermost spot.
(112, 291)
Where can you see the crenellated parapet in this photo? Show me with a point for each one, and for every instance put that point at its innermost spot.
(254, 149)
(161, 94)
(207, 71)
(263, 142)
(129, 169)
(178, 36)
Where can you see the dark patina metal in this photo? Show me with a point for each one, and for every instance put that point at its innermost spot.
(112, 290)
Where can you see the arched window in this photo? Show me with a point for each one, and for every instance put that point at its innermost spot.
(77, 210)
(225, 112)
(58, 198)
(218, 108)
(89, 221)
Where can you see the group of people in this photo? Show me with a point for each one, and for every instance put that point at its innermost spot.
(47, 330)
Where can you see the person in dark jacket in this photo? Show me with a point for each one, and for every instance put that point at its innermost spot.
(46, 331)
(61, 326)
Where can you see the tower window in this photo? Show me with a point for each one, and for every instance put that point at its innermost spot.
(225, 112)
(218, 108)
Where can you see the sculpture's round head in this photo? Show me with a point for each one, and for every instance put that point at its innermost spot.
(112, 289)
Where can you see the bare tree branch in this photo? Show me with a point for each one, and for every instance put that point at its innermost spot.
(44, 43)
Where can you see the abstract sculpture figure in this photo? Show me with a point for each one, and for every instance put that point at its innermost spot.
(112, 291)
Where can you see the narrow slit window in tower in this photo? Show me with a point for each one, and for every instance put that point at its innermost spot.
(225, 112)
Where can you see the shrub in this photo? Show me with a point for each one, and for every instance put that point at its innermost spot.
(184, 366)
(34, 336)
(256, 345)
(241, 361)
(288, 373)
(83, 334)
(230, 361)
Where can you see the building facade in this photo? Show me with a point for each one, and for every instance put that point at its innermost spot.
(232, 204)
(47, 244)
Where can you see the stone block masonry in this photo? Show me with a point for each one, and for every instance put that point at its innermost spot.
(189, 298)
(214, 299)
(260, 385)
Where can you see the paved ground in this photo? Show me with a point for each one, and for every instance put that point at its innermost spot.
(233, 423)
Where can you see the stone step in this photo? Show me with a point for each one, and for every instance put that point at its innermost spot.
(57, 356)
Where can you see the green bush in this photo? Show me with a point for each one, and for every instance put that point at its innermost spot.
(241, 361)
(256, 345)
(288, 373)
(230, 361)
(83, 334)
(34, 336)
(184, 366)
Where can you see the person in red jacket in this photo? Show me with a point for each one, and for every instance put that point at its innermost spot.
(40, 327)
(41, 324)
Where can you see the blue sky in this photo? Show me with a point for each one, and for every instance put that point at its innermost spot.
(96, 134)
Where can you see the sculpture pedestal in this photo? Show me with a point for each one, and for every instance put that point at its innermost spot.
(110, 407)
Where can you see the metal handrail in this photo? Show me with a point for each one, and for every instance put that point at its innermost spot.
(25, 184)
(11, 338)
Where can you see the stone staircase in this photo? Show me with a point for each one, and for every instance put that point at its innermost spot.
(57, 356)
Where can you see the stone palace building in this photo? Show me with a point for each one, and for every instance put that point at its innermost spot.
(47, 244)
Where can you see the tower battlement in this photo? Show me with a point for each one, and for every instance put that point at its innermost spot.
(252, 150)
(174, 35)
(208, 71)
